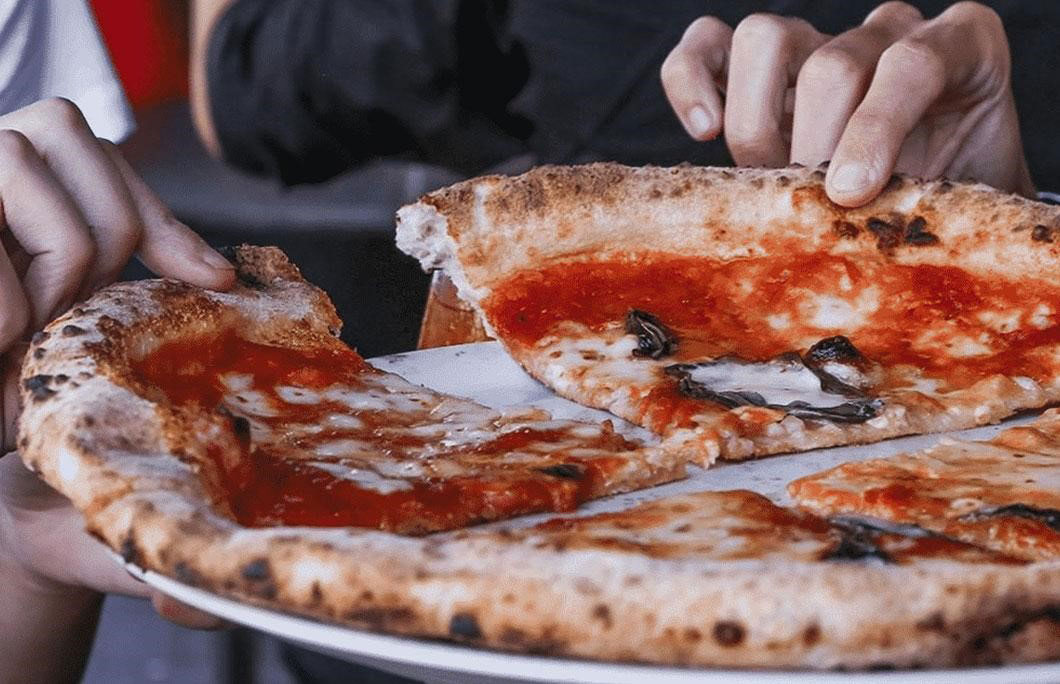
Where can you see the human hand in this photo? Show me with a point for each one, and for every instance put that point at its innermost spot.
(73, 213)
(45, 551)
(898, 93)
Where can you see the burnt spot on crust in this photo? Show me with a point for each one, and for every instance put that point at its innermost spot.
(37, 386)
(39, 337)
(256, 570)
(783, 181)
(185, 574)
(568, 471)
(728, 633)
(39, 353)
(465, 626)
(894, 183)
(61, 378)
(72, 330)
(602, 613)
(916, 233)
(845, 229)
(130, 552)
(811, 635)
(944, 187)
(1041, 233)
(888, 235)
(932, 623)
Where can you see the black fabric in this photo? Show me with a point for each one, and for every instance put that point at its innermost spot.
(304, 89)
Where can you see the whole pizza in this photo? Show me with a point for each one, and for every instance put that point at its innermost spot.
(232, 442)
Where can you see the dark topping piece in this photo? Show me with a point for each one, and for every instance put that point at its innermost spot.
(1047, 516)
(464, 625)
(1043, 233)
(856, 542)
(785, 376)
(654, 339)
(728, 633)
(837, 348)
(915, 233)
(72, 331)
(567, 471)
(37, 386)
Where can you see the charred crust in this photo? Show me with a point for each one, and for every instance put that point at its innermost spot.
(932, 623)
(728, 633)
(888, 235)
(464, 626)
(72, 330)
(944, 187)
(39, 353)
(130, 552)
(185, 574)
(811, 635)
(567, 471)
(256, 570)
(817, 174)
(1041, 233)
(39, 337)
(783, 181)
(894, 183)
(37, 386)
(845, 229)
(602, 613)
(61, 378)
(916, 233)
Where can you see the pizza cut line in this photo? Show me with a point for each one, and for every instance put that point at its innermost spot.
(758, 317)
(220, 438)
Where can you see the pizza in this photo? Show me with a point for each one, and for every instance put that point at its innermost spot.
(742, 313)
(285, 425)
(1002, 494)
(230, 441)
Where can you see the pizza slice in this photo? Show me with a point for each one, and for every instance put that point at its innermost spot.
(285, 425)
(740, 312)
(1002, 494)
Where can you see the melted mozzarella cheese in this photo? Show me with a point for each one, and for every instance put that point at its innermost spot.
(777, 384)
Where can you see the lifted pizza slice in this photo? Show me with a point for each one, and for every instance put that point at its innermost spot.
(741, 312)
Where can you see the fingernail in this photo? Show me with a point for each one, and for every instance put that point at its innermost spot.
(215, 260)
(699, 121)
(849, 177)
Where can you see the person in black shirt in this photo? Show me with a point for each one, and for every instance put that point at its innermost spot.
(301, 90)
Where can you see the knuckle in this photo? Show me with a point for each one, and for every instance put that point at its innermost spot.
(706, 28)
(831, 66)
(15, 147)
(973, 13)
(915, 56)
(895, 10)
(59, 111)
(762, 28)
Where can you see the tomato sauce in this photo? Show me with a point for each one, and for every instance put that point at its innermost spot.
(272, 483)
(760, 307)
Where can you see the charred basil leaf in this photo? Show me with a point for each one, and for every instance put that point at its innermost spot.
(1048, 516)
(654, 339)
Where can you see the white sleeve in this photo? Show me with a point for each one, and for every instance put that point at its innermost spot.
(53, 48)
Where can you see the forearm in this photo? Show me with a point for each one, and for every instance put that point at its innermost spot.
(47, 628)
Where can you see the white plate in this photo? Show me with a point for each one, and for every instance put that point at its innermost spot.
(483, 372)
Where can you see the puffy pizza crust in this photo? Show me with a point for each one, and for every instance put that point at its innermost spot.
(484, 230)
(95, 436)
